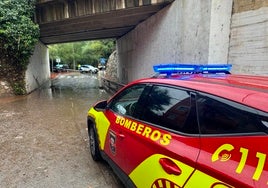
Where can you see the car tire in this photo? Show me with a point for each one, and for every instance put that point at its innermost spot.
(93, 144)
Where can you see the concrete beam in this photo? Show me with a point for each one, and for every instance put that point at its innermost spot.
(108, 24)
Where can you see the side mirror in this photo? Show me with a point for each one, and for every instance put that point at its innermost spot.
(100, 105)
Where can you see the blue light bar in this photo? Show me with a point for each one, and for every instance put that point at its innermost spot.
(191, 68)
(215, 68)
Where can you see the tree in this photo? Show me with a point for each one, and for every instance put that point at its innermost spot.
(86, 52)
(18, 36)
(94, 50)
(69, 53)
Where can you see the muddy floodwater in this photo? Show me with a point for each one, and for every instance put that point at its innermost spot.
(43, 137)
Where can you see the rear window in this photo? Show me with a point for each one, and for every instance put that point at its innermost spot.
(220, 116)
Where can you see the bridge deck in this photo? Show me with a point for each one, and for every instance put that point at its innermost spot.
(68, 21)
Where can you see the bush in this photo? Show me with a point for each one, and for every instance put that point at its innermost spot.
(18, 36)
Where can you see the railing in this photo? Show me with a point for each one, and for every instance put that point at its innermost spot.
(110, 86)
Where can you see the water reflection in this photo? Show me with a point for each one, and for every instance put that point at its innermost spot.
(60, 96)
(76, 86)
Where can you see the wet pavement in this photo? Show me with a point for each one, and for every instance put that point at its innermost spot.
(43, 137)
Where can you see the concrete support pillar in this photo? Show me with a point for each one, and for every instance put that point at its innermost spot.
(38, 71)
(220, 20)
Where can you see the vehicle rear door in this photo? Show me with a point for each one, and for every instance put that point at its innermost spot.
(233, 144)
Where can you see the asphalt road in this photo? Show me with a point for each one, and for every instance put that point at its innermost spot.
(43, 137)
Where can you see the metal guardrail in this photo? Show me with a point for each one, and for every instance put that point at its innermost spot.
(110, 86)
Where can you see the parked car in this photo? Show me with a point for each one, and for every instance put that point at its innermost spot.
(88, 69)
(61, 68)
(190, 126)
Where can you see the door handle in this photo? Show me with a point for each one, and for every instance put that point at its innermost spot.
(170, 166)
(121, 135)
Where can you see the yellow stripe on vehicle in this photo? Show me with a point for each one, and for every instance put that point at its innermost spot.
(102, 125)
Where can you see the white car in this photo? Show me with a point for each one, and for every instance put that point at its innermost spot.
(88, 68)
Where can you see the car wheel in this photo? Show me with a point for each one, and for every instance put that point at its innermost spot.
(93, 144)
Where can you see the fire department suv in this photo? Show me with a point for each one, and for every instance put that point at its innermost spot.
(193, 126)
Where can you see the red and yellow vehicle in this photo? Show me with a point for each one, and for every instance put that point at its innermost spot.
(191, 126)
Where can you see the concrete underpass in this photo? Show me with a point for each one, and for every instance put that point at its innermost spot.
(157, 32)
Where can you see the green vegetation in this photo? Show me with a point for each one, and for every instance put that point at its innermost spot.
(18, 36)
(87, 52)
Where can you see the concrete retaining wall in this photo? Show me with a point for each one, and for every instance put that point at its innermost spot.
(249, 42)
(38, 70)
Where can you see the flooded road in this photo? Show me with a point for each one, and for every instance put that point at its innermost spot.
(43, 137)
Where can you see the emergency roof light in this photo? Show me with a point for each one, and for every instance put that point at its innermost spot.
(191, 68)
